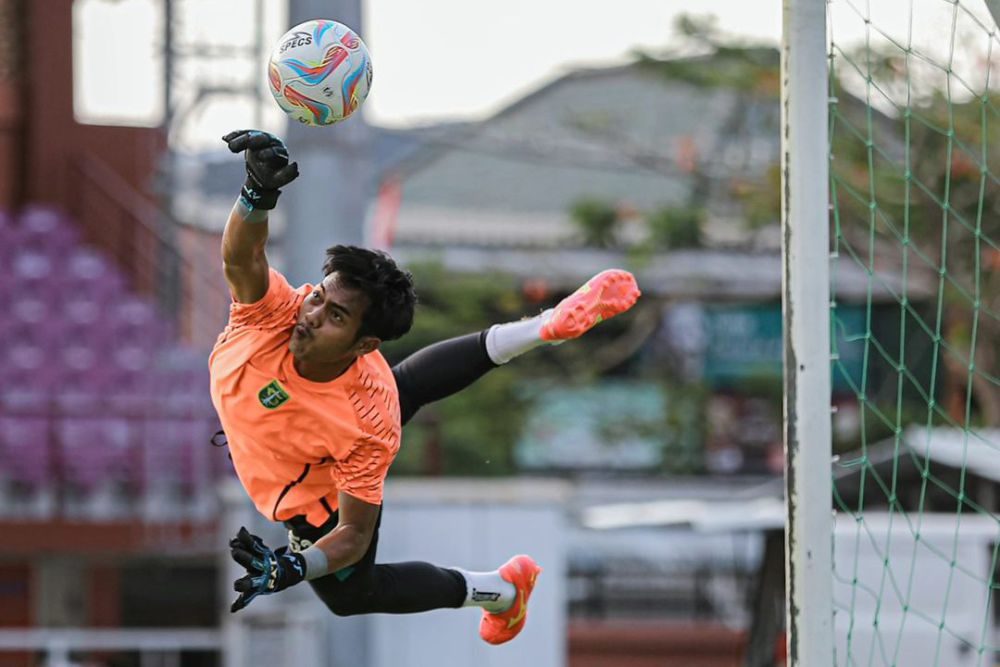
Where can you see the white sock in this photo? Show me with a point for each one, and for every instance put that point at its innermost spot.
(506, 341)
(488, 590)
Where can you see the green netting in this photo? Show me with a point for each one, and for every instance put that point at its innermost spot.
(915, 192)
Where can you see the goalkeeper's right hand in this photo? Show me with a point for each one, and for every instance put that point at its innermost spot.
(267, 164)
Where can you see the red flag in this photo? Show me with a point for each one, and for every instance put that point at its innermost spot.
(383, 220)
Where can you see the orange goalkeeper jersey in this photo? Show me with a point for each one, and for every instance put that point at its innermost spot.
(295, 443)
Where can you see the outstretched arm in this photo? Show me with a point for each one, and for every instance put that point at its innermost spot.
(270, 571)
(268, 169)
(346, 544)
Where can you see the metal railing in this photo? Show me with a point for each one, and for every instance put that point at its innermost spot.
(156, 253)
(152, 643)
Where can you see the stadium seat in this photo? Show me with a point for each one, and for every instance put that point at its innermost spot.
(185, 391)
(30, 317)
(89, 272)
(95, 453)
(176, 469)
(134, 321)
(30, 378)
(84, 313)
(45, 229)
(31, 267)
(25, 451)
(85, 382)
(91, 373)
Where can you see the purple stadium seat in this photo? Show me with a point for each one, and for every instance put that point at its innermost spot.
(86, 380)
(31, 267)
(134, 321)
(95, 451)
(185, 392)
(85, 312)
(178, 473)
(132, 357)
(46, 230)
(30, 377)
(30, 309)
(31, 318)
(79, 358)
(91, 272)
(166, 453)
(25, 451)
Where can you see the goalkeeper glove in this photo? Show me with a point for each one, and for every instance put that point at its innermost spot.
(267, 571)
(267, 164)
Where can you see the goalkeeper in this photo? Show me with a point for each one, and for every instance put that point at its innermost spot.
(313, 413)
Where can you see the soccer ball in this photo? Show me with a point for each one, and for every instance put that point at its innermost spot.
(319, 72)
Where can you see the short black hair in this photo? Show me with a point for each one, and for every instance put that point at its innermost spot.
(391, 297)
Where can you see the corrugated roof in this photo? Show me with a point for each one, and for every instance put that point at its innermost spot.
(621, 134)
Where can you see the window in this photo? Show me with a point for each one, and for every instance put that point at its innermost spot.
(118, 62)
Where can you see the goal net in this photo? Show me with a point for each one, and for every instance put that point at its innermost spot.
(914, 138)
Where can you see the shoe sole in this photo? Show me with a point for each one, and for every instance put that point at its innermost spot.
(607, 294)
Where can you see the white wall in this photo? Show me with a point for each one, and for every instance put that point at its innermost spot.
(909, 586)
(473, 524)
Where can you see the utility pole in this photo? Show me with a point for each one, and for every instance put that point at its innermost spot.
(328, 203)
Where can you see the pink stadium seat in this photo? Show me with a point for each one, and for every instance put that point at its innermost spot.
(25, 451)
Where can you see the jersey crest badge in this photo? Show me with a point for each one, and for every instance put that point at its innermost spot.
(273, 395)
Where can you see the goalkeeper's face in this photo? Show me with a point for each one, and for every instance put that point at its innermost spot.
(329, 319)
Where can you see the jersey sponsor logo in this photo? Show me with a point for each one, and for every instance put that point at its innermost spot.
(484, 596)
(273, 395)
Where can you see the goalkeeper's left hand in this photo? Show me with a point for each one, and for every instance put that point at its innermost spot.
(267, 571)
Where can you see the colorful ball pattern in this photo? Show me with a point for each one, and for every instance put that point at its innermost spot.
(320, 72)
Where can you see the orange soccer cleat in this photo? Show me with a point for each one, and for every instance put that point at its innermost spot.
(500, 627)
(602, 297)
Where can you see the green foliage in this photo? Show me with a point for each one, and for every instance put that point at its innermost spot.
(916, 182)
(674, 227)
(685, 429)
(597, 221)
(761, 200)
(474, 432)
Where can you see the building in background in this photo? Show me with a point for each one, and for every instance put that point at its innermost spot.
(664, 167)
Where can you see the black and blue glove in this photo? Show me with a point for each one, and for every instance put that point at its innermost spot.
(267, 571)
(268, 168)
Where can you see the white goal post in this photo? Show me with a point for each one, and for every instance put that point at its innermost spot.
(806, 310)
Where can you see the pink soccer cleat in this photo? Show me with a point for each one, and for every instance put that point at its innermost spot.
(602, 297)
(500, 627)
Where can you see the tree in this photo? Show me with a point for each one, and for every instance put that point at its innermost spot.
(597, 221)
(915, 184)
